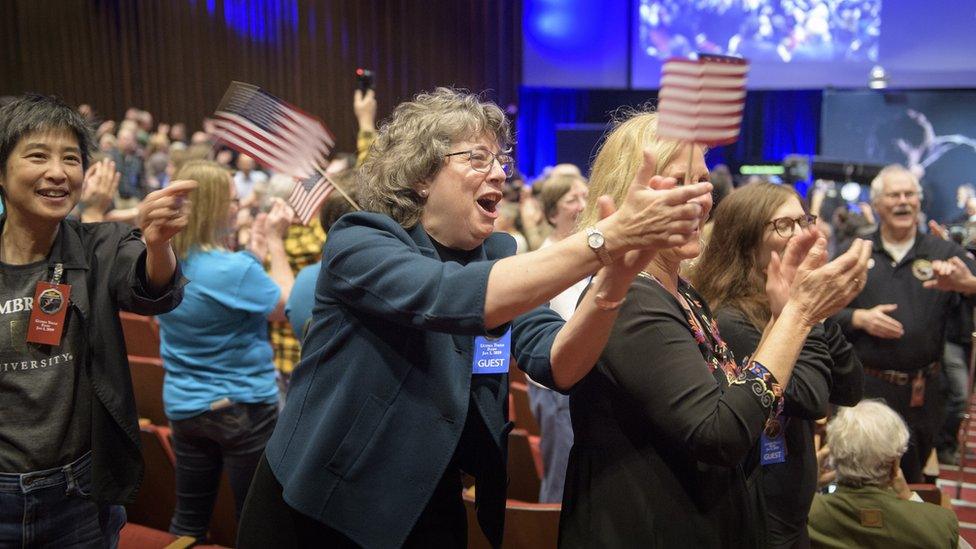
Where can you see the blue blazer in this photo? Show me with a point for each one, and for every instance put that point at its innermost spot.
(378, 402)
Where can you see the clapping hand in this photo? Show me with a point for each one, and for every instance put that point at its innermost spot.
(98, 191)
(269, 226)
(781, 272)
(951, 275)
(655, 213)
(637, 259)
(820, 290)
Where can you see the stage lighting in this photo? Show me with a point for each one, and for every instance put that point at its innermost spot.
(878, 79)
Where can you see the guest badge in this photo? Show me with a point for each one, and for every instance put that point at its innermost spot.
(46, 322)
(491, 355)
(772, 442)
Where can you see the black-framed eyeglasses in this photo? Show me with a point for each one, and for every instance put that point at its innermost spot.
(482, 160)
(786, 226)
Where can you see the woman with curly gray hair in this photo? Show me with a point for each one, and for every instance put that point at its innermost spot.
(873, 506)
(419, 309)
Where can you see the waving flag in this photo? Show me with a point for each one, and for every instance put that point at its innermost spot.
(276, 134)
(701, 101)
(308, 195)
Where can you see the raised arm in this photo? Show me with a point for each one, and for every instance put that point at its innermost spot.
(162, 214)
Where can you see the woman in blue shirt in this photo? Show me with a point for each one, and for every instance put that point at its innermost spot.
(219, 392)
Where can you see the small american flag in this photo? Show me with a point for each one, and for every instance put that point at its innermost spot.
(701, 101)
(308, 194)
(276, 134)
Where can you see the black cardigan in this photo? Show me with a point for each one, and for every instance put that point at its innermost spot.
(105, 264)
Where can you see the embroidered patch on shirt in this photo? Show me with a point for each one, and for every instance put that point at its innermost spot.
(872, 518)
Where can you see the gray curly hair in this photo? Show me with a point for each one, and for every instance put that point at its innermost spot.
(864, 441)
(411, 145)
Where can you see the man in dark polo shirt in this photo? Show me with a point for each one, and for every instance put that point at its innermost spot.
(898, 323)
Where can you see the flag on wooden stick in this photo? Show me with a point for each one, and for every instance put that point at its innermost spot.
(308, 195)
(278, 135)
(701, 100)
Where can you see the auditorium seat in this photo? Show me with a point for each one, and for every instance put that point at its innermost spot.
(524, 419)
(931, 493)
(523, 477)
(156, 499)
(141, 334)
(147, 383)
(527, 525)
(223, 523)
(136, 536)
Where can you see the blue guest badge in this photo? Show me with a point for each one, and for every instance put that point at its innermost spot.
(772, 443)
(491, 355)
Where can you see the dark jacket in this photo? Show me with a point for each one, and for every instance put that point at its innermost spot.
(105, 265)
(923, 312)
(876, 518)
(377, 405)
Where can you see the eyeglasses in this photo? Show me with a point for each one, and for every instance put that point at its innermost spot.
(482, 160)
(896, 195)
(786, 226)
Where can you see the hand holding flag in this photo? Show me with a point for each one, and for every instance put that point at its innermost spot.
(701, 100)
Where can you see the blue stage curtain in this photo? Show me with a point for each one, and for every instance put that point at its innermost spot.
(539, 111)
(775, 123)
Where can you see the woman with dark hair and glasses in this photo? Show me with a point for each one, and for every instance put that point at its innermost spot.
(753, 223)
(419, 308)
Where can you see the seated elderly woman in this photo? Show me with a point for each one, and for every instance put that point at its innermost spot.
(403, 381)
(752, 224)
(664, 422)
(872, 506)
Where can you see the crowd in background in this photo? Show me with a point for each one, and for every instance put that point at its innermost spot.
(240, 223)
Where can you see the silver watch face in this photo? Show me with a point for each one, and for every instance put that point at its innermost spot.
(595, 240)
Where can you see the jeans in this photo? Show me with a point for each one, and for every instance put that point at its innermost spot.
(551, 410)
(51, 508)
(955, 372)
(233, 437)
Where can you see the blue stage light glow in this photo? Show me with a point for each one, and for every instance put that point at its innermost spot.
(259, 20)
(561, 26)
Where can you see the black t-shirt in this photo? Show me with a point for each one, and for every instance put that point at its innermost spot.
(45, 393)
(469, 455)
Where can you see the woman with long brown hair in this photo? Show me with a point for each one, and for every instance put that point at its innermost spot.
(755, 223)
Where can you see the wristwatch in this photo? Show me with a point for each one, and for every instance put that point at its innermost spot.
(596, 242)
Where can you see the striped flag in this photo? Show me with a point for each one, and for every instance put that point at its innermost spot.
(701, 101)
(278, 135)
(308, 195)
